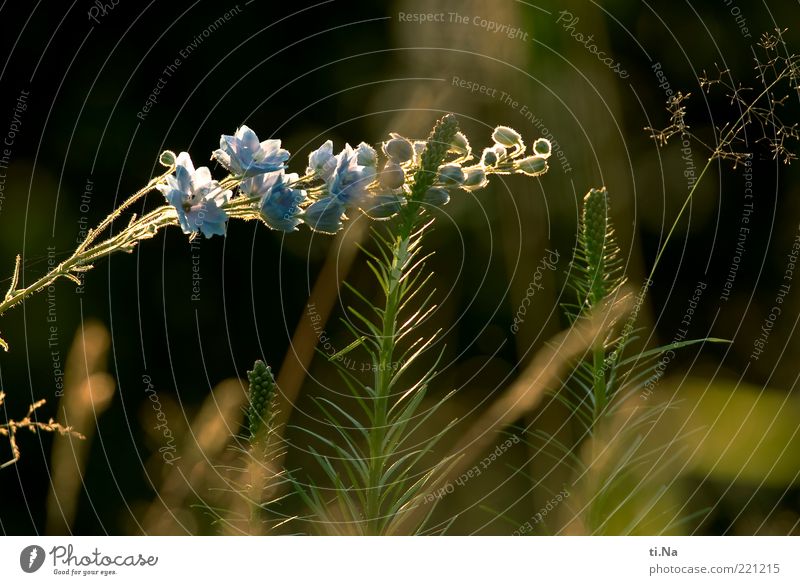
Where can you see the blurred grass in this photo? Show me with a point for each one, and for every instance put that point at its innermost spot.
(746, 433)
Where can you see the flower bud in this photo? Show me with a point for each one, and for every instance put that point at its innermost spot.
(542, 147)
(506, 136)
(475, 178)
(451, 174)
(321, 161)
(392, 176)
(460, 144)
(382, 206)
(437, 196)
(532, 165)
(167, 158)
(399, 149)
(489, 157)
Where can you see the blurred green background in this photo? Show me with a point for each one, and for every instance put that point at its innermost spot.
(353, 71)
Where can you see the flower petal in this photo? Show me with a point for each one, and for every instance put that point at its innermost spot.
(325, 215)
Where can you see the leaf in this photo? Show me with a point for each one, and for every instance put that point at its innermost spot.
(668, 347)
(348, 349)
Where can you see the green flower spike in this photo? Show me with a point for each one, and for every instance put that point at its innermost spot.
(261, 393)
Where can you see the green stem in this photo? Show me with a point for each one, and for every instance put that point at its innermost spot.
(678, 218)
(80, 260)
(438, 143)
(599, 377)
(718, 153)
(384, 368)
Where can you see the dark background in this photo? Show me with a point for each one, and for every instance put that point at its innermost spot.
(350, 71)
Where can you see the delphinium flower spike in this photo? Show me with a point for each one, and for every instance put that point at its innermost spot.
(333, 187)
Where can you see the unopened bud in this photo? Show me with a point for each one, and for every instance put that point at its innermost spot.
(475, 178)
(399, 149)
(532, 165)
(542, 147)
(167, 158)
(460, 144)
(392, 176)
(437, 196)
(451, 174)
(489, 157)
(506, 136)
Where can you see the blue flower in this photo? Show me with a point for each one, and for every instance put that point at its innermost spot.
(325, 215)
(346, 182)
(366, 155)
(244, 156)
(196, 197)
(279, 203)
(349, 181)
(322, 162)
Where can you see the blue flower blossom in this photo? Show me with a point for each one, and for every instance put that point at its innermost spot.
(348, 183)
(366, 155)
(325, 215)
(243, 155)
(322, 162)
(196, 197)
(279, 203)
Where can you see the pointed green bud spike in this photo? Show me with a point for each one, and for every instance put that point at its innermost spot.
(596, 240)
(262, 390)
(436, 148)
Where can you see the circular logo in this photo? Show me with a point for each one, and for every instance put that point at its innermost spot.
(31, 558)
